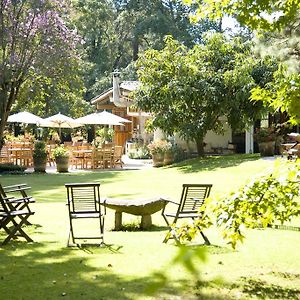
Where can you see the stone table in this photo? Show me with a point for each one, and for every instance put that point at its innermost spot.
(137, 207)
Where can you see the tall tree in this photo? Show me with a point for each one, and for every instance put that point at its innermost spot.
(279, 23)
(190, 90)
(34, 40)
(116, 31)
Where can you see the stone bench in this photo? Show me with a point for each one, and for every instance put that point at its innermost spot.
(141, 207)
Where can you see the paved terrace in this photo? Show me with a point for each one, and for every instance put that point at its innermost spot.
(129, 164)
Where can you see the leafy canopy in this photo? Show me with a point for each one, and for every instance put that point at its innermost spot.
(190, 91)
(278, 24)
(35, 42)
(268, 15)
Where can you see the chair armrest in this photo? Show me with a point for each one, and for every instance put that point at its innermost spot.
(103, 202)
(25, 199)
(16, 188)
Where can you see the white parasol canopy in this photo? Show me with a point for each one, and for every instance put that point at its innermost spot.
(60, 121)
(24, 117)
(102, 118)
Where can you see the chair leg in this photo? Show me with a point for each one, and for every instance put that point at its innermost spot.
(17, 228)
(207, 242)
(71, 234)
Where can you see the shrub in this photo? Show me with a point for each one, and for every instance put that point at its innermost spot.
(265, 134)
(140, 152)
(159, 146)
(39, 150)
(11, 168)
(60, 151)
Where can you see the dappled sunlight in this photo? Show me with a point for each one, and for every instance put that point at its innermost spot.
(211, 163)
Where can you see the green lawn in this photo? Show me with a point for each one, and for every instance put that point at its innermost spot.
(266, 266)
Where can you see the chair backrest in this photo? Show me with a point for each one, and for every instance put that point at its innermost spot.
(83, 197)
(118, 151)
(193, 196)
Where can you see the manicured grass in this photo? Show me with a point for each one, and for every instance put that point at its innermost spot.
(266, 266)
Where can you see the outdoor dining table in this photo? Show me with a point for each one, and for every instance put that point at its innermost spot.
(15, 154)
(82, 155)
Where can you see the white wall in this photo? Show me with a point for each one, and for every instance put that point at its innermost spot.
(212, 140)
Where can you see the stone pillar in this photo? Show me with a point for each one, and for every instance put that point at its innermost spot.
(249, 146)
(118, 220)
(146, 221)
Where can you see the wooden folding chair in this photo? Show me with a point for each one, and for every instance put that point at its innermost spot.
(9, 221)
(117, 159)
(192, 198)
(83, 200)
(17, 196)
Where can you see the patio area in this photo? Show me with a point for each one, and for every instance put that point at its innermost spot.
(129, 164)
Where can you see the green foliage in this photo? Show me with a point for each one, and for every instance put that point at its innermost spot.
(189, 90)
(39, 150)
(273, 197)
(281, 94)
(116, 32)
(139, 152)
(278, 23)
(265, 135)
(105, 134)
(266, 14)
(11, 168)
(261, 202)
(60, 151)
(159, 146)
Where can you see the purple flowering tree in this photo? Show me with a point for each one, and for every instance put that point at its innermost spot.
(34, 40)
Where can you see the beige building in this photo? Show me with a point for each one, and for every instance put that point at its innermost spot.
(117, 101)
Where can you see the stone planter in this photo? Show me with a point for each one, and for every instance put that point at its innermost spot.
(62, 164)
(267, 148)
(158, 159)
(168, 158)
(39, 164)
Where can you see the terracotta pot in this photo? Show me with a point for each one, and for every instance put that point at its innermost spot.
(267, 148)
(158, 159)
(168, 158)
(62, 164)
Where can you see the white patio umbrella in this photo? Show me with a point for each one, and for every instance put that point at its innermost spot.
(60, 121)
(24, 117)
(102, 118)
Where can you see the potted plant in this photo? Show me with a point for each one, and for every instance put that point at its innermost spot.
(157, 149)
(266, 137)
(169, 154)
(39, 156)
(61, 156)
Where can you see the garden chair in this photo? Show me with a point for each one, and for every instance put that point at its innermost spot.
(17, 197)
(117, 159)
(192, 198)
(83, 200)
(9, 221)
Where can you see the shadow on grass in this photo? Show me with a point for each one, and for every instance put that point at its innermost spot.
(264, 290)
(211, 163)
(40, 274)
(135, 226)
(45, 271)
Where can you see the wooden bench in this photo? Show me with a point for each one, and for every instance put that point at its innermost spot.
(141, 207)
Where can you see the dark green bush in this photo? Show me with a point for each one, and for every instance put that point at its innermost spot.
(11, 168)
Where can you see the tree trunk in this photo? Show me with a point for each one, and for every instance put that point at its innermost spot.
(200, 146)
(135, 48)
(8, 96)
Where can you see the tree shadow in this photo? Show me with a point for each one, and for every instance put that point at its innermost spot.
(41, 274)
(210, 163)
(135, 226)
(264, 290)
